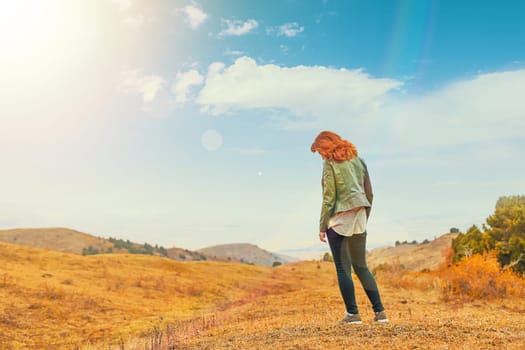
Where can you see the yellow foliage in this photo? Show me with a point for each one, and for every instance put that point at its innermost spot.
(474, 277)
(480, 276)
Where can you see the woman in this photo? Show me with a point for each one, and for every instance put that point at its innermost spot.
(347, 201)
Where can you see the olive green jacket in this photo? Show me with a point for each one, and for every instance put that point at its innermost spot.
(346, 185)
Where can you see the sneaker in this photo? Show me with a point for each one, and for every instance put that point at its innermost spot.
(351, 319)
(381, 317)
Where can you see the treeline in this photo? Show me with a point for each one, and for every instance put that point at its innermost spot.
(503, 233)
(132, 248)
(398, 243)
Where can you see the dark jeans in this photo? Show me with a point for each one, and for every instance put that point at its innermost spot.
(350, 252)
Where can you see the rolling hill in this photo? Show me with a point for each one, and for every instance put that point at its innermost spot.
(71, 241)
(53, 300)
(247, 253)
(54, 238)
(414, 257)
(56, 300)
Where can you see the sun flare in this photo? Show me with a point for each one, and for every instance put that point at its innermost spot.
(28, 27)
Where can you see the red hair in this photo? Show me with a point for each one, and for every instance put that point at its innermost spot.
(332, 147)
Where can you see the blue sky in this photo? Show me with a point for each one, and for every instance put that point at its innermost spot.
(189, 123)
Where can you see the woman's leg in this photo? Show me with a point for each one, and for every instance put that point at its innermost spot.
(341, 254)
(358, 254)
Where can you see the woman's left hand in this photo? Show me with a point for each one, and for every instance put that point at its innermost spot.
(322, 236)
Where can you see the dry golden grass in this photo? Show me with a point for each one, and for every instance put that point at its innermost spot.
(62, 301)
(57, 300)
(307, 319)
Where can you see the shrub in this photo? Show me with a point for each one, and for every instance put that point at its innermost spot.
(90, 251)
(327, 257)
(480, 276)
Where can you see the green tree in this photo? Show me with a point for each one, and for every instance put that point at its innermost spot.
(90, 251)
(504, 233)
(163, 251)
(466, 244)
(148, 249)
(328, 257)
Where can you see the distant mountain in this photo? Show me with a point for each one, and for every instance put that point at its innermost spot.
(54, 238)
(247, 253)
(66, 240)
(415, 257)
(181, 254)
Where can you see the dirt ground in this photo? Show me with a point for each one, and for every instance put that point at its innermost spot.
(307, 319)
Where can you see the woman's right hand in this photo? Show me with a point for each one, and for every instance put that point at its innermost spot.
(322, 236)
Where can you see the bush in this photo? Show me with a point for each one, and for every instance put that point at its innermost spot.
(328, 257)
(90, 251)
(480, 276)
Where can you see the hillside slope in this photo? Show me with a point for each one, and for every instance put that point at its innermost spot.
(245, 252)
(54, 238)
(66, 240)
(414, 257)
(55, 300)
(58, 300)
(181, 254)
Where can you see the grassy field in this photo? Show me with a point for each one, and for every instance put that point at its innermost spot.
(307, 319)
(62, 301)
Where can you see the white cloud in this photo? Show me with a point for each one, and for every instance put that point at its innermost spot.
(214, 69)
(156, 99)
(146, 85)
(484, 108)
(183, 83)
(237, 28)
(290, 29)
(305, 91)
(195, 16)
